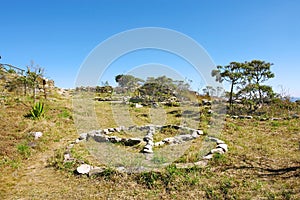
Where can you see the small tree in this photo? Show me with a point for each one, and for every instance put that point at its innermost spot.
(233, 73)
(34, 74)
(128, 81)
(257, 72)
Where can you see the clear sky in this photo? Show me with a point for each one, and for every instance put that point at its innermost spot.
(59, 34)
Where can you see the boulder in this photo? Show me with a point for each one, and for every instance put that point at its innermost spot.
(84, 169)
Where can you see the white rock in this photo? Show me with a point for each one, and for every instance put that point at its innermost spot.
(105, 131)
(111, 130)
(96, 170)
(138, 105)
(195, 134)
(148, 150)
(77, 140)
(199, 132)
(67, 156)
(84, 169)
(169, 140)
(217, 150)
(160, 143)
(83, 136)
(36, 135)
(223, 146)
(148, 146)
(150, 142)
(208, 157)
(118, 130)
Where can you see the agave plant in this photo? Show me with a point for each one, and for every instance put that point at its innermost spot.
(37, 111)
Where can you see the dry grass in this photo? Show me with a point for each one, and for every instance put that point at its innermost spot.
(263, 161)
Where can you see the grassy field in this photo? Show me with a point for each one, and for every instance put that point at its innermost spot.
(263, 161)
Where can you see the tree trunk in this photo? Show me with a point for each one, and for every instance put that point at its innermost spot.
(230, 96)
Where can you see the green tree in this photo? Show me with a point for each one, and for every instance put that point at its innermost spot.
(257, 72)
(233, 73)
(128, 81)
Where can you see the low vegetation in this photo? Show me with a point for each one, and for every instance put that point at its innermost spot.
(262, 163)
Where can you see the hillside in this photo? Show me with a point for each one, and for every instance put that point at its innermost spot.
(262, 162)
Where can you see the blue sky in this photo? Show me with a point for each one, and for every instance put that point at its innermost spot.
(59, 35)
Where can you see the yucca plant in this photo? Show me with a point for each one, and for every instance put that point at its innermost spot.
(37, 111)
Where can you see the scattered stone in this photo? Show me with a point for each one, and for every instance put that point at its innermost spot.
(138, 105)
(32, 144)
(121, 169)
(67, 157)
(77, 140)
(96, 170)
(83, 136)
(208, 157)
(210, 111)
(105, 131)
(36, 135)
(83, 169)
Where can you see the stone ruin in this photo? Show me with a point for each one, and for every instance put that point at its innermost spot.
(107, 135)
